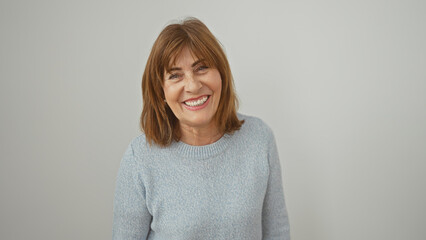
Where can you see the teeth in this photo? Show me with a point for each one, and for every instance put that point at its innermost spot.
(198, 102)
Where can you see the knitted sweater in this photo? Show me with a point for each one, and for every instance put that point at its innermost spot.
(230, 189)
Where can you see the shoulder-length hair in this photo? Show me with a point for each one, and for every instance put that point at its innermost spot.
(157, 120)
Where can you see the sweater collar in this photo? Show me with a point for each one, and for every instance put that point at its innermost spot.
(201, 152)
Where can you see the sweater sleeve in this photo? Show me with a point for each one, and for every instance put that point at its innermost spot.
(131, 219)
(275, 223)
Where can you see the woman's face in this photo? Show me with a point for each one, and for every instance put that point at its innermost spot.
(192, 90)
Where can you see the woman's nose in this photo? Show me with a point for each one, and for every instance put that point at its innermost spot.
(192, 83)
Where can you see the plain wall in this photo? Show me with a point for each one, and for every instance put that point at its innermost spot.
(341, 83)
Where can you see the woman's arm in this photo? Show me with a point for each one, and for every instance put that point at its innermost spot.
(275, 224)
(131, 217)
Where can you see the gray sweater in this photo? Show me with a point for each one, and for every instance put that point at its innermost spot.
(231, 189)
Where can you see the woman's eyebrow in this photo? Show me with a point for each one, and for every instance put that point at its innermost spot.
(174, 69)
(197, 62)
(178, 68)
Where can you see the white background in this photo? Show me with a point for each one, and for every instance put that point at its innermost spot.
(341, 83)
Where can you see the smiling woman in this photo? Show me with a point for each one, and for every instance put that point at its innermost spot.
(187, 63)
(199, 170)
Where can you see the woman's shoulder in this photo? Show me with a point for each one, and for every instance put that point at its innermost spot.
(138, 141)
(255, 126)
(141, 147)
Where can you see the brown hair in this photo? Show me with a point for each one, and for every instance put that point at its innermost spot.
(157, 120)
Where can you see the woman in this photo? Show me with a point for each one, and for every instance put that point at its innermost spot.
(199, 170)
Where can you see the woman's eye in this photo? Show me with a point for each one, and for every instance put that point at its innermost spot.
(173, 76)
(201, 68)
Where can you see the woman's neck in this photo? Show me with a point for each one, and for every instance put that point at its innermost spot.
(199, 136)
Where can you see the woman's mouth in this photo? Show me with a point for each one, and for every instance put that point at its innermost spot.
(197, 102)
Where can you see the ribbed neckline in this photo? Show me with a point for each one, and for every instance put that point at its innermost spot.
(201, 152)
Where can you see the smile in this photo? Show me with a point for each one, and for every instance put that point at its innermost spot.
(198, 102)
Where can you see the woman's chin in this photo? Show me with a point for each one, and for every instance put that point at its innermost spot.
(197, 122)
